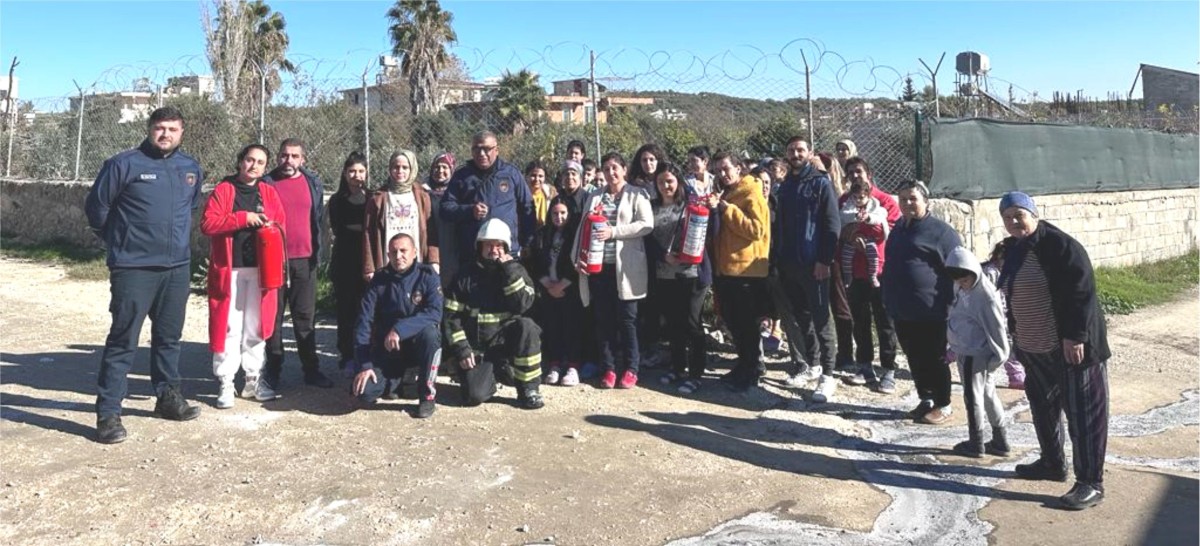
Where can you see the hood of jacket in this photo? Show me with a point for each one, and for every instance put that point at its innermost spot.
(961, 258)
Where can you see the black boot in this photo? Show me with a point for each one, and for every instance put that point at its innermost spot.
(973, 447)
(998, 445)
(109, 430)
(425, 409)
(171, 405)
(529, 397)
(1042, 470)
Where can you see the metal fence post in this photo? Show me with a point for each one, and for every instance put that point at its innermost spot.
(812, 142)
(917, 141)
(595, 109)
(366, 123)
(10, 117)
(79, 133)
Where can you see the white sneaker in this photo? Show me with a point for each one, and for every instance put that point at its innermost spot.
(227, 395)
(250, 387)
(825, 389)
(803, 377)
(571, 378)
(264, 392)
(552, 377)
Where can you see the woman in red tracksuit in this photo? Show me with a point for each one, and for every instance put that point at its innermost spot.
(241, 314)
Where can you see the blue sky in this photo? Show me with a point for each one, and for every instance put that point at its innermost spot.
(1037, 46)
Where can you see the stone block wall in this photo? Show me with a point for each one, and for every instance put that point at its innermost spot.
(1116, 228)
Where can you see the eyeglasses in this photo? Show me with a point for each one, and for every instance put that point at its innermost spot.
(484, 149)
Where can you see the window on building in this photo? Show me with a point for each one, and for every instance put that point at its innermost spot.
(568, 113)
(589, 113)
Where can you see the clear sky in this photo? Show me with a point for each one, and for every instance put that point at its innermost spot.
(1036, 46)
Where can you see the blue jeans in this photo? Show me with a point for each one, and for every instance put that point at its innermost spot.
(616, 322)
(161, 294)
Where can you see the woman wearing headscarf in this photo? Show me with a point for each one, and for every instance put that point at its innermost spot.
(400, 206)
(440, 172)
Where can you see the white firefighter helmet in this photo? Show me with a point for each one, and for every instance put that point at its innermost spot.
(494, 230)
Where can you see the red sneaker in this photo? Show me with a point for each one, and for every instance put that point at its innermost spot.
(609, 380)
(628, 380)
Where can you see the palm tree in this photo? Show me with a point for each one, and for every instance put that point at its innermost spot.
(520, 100)
(267, 50)
(420, 31)
(242, 39)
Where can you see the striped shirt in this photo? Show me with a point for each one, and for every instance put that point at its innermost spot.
(1032, 310)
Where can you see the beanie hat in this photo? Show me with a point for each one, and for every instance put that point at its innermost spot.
(1018, 199)
(573, 166)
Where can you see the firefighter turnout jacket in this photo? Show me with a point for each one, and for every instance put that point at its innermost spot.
(485, 300)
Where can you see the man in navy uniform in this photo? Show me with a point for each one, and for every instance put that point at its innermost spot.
(398, 327)
(141, 206)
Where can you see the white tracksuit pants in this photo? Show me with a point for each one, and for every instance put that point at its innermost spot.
(244, 343)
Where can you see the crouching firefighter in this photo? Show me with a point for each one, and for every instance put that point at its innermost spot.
(398, 327)
(489, 336)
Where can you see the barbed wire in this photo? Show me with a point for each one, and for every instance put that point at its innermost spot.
(744, 99)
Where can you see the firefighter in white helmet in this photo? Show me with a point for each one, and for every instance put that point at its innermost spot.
(488, 334)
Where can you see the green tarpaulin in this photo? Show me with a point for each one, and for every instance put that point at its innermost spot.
(978, 158)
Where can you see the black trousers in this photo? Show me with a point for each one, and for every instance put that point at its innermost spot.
(866, 306)
(562, 325)
(345, 274)
(137, 293)
(512, 357)
(810, 303)
(924, 343)
(422, 351)
(742, 305)
(682, 303)
(1055, 387)
(300, 295)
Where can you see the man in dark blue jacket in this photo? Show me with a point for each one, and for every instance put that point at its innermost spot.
(805, 239)
(488, 187)
(141, 205)
(398, 327)
(302, 194)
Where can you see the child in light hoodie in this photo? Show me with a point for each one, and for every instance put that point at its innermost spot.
(978, 334)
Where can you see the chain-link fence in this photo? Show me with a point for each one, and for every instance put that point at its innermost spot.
(745, 101)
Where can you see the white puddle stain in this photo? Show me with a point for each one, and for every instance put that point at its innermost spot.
(950, 514)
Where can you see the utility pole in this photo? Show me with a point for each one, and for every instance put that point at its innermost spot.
(10, 117)
(79, 134)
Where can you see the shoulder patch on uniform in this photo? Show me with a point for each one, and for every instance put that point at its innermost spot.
(190, 178)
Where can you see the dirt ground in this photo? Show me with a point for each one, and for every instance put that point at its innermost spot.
(593, 467)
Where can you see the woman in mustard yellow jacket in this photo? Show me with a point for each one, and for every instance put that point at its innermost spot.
(740, 259)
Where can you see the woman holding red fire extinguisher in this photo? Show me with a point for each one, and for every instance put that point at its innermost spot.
(245, 221)
(679, 262)
(613, 266)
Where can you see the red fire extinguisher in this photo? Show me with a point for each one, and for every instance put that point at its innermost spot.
(692, 232)
(591, 249)
(270, 255)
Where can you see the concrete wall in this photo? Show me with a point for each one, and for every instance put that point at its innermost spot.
(36, 212)
(1116, 228)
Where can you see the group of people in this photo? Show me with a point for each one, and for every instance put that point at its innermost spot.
(508, 278)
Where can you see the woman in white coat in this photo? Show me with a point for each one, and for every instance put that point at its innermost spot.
(614, 291)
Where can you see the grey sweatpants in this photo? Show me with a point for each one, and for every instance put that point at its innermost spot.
(979, 394)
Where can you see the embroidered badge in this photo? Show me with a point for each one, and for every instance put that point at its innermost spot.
(417, 298)
(148, 176)
(191, 179)
(504, 186)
